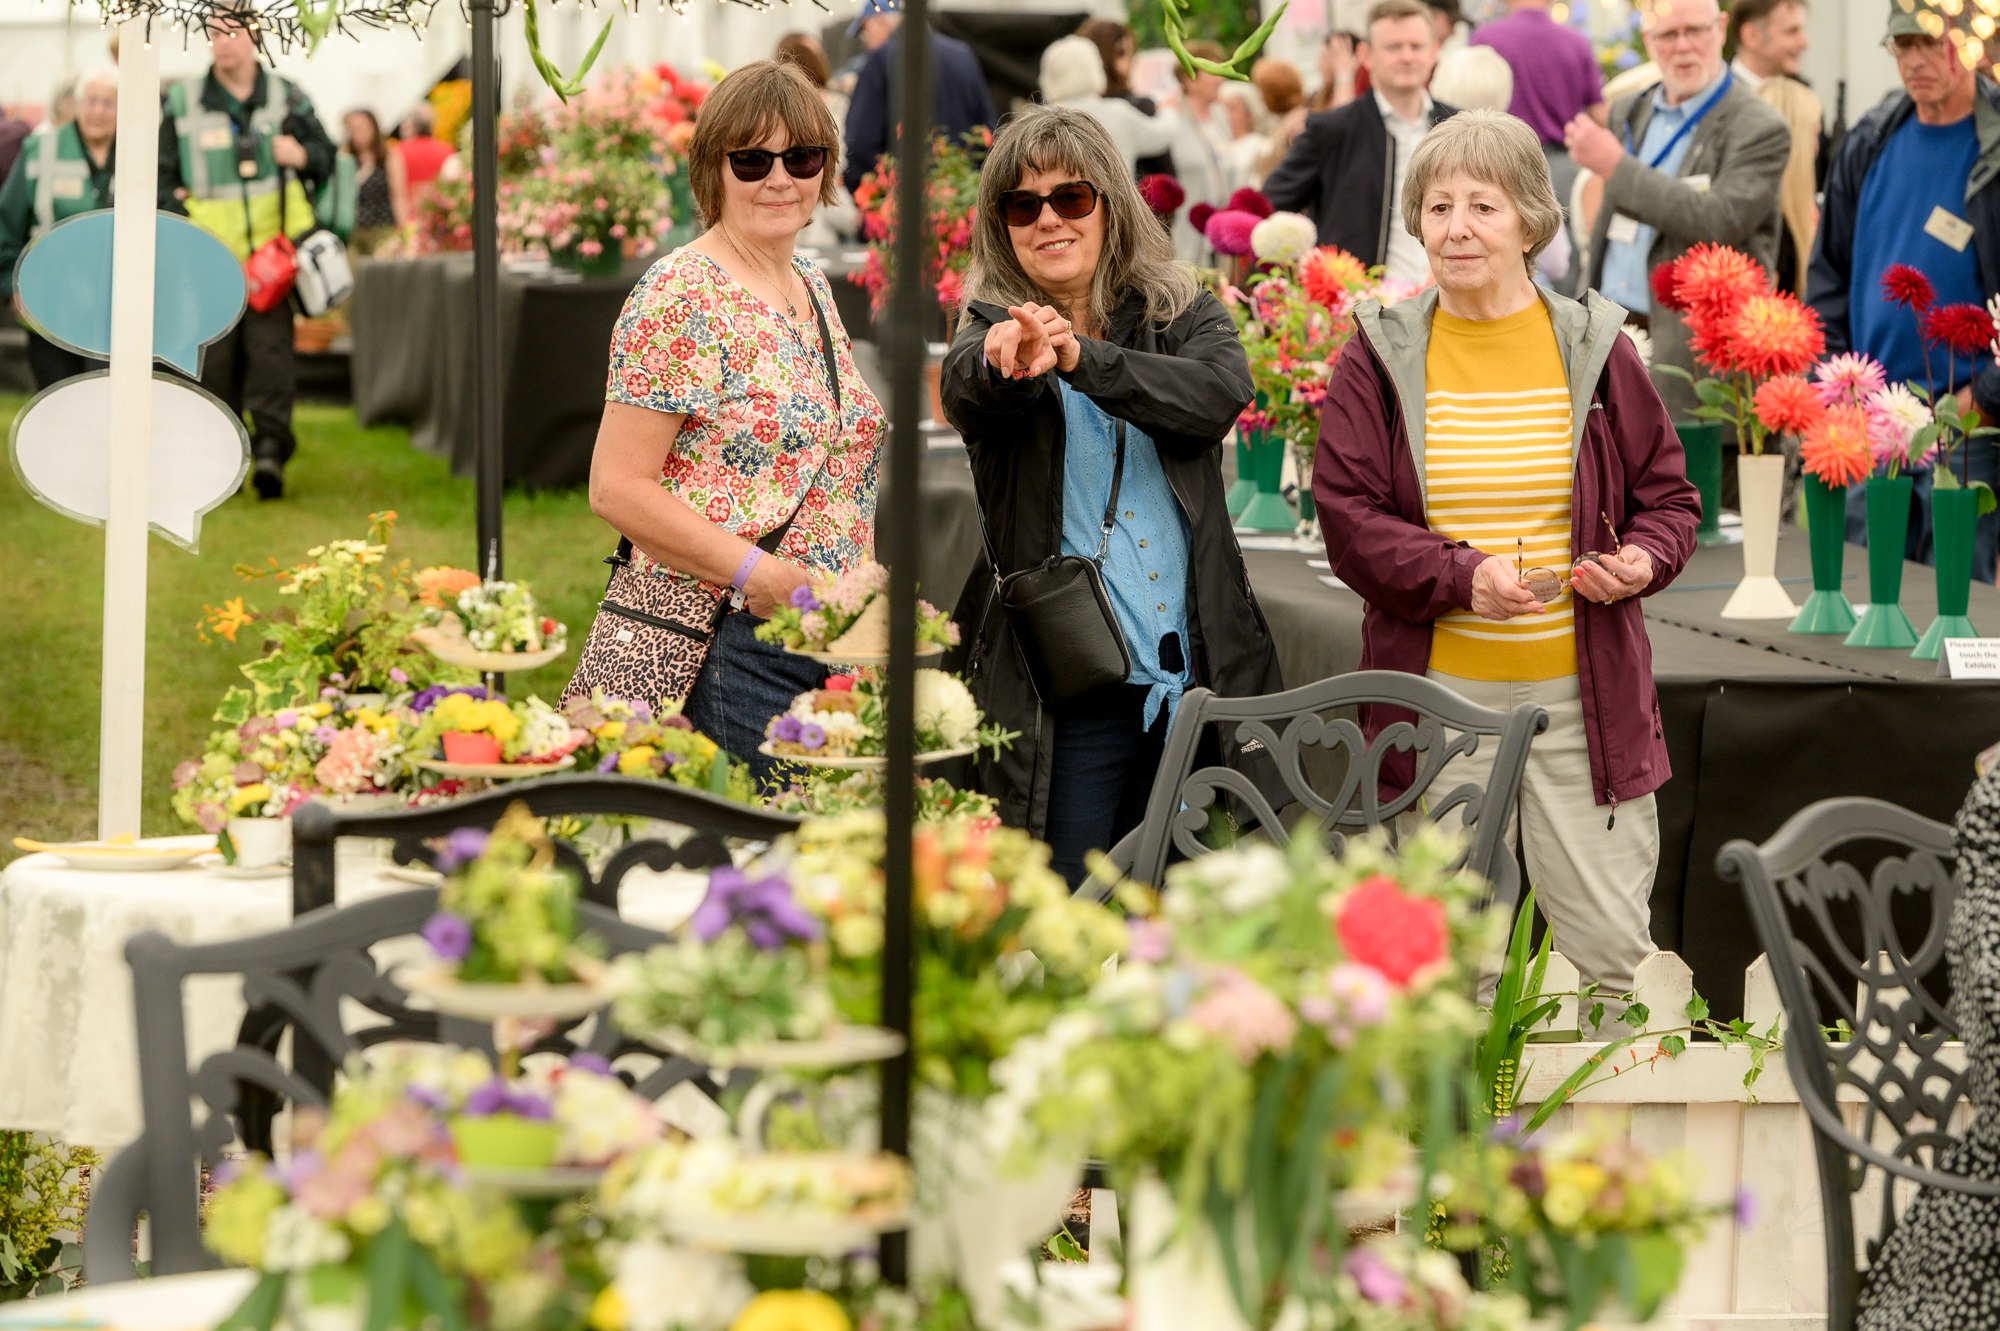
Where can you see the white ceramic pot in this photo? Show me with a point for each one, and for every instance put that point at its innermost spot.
(973, 1216)
(1174, 1276)
(261, 842)
(1760, 482)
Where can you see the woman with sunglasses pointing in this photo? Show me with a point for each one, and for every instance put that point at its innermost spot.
(1094, 380)
(737, 453)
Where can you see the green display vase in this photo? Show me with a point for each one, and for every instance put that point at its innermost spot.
(1268, 509)
(1245, 487)
(1701, 442)
(1954, 521)
(1883, 623)
(607, 262)
(1826, 610)
(505, 1141)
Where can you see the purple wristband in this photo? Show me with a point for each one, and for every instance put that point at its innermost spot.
(743, 569)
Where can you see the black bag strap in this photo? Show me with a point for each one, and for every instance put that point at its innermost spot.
(1110, 519)
(771, 540)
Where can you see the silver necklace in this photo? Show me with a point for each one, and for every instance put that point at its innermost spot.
(782, 289)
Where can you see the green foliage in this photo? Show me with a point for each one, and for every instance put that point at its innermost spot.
(42, 1195)
(1173, 23)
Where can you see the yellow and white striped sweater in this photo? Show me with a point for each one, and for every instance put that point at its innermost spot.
(1497, 472)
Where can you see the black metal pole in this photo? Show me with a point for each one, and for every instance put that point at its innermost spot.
(896, 526)
(486, 283)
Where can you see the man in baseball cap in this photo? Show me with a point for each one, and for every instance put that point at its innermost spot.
(960, 101)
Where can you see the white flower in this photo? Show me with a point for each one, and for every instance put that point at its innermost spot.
(669, 1288)
(295, 1241)
(1283, 237)
(1895, 414)
(945, 705)
(1238, 880)
(543, 729)
(1642, 340)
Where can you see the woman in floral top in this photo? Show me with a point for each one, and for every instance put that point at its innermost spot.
(723, 421)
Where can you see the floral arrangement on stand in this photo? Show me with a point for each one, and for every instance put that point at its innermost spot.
(467, 622)
(344, 624)
(469, 725)
(951, 209)
(1746, 334)
(830, 794)
(850, 614)
(637, 739)
(589, 211)
(845, 720)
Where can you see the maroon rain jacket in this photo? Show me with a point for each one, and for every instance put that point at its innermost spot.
(1368, 484)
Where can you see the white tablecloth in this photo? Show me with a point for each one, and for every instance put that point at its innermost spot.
(169, 1303)
(68, 1046)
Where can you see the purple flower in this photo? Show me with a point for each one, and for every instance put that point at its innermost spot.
(396, 675)
(1746, 1208)
(286, 719)
(324, 735)
(668, 758)
(677, 722)
(1372, 1276)
(461, 847)
(588, 1062)
(811, 737)
(449, 935)
(786, 729)
(803, 599)
(763, 906)
(641, 709)
(609, 763)
(428, 698)
(497, 1097)
(425, 1096)
(329, 692)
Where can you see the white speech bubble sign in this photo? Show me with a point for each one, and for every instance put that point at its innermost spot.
(61, 449)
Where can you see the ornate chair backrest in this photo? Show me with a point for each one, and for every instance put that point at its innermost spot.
(1288, 724)
(303, 981)
(1852, 900)
(711, 823)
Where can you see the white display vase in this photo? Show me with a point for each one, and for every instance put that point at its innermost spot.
(1760, 483)
(973, 1215)
(261, 842)
(1174, 1273)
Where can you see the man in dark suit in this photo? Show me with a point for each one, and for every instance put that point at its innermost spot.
(1346, 168)
(960, 101)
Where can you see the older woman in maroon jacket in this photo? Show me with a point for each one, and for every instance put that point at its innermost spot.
(1498, 478)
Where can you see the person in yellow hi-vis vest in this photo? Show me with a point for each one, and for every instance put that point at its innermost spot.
(241, 150)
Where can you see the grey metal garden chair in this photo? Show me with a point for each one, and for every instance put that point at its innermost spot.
(1437, 726)
(1851, 900)
(303, 981)
(711, 823)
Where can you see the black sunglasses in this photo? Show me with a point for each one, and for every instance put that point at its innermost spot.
(753, 164)
(1074, 199)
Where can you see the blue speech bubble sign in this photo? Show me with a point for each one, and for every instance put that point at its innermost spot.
(64, 282)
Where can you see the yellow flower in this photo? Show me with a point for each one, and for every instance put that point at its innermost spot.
(320, 709)
(705, 746)
(792, 1310)
(611, 730)
(247, 796)
(636, 761)
(607, 1310)
(370, 1215)
(224, 620)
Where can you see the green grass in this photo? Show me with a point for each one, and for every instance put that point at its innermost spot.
(51, 590)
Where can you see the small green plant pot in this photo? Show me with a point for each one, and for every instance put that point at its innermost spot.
(1954, 524)
(1268, 509)
(1245, 487)
(1883, 623)
(1826, 610)
(505, 1141)
(1701, 442)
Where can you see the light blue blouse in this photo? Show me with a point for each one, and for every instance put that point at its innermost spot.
(1146, 566)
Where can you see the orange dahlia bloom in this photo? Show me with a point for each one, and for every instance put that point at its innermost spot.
(1330, 274)
(1711, 281)
(1835, 449)
(1773, 333)
(1787, 404)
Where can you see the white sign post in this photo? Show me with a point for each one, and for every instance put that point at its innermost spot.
(121, 742)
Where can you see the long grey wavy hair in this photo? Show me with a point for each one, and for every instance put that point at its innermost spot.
(1137, 255)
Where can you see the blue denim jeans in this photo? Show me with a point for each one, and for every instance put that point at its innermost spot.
(1981, 463)
(742, 685)
(1100, 774)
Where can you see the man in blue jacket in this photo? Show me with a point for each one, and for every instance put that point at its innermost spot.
(960, 102)
(1920, 167)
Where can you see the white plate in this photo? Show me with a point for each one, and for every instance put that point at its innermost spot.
(442, 992)
(851, 763)
(556, 1181)
(924, 651)
(122, 857)
(778, 1233)
(494, 771)
(844, 1046)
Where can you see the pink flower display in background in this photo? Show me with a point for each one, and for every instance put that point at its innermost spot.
(1245, 1014)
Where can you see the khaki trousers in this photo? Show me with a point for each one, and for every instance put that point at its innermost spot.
(1592, 875)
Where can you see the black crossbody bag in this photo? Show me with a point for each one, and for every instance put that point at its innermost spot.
(1062, 616)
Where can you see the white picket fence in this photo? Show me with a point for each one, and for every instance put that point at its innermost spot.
(1771, 1274)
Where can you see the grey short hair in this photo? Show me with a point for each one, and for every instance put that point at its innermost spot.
(1473, 78)
(1072, 67)
(1502, 151)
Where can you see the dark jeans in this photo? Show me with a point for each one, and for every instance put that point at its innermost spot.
(51, 364)
(1101, 773)
(1982, 459)
(252, 368)
(742, 685)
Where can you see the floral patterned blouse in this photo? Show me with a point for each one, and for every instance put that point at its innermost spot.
(762, 436)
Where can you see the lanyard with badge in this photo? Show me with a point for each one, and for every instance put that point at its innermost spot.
(1624, 230)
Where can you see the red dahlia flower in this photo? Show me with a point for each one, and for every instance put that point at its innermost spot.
(1772, 333)
(1836, 448)
(1198, 216)
(1399, 935)
(1247, 200)
(1905, 286)
(1787, 404)
(1966, 329)
(1665, 278)
(1330, 274)
(1711, 281)
(1163, 194)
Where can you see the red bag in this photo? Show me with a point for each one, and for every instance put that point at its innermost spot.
(269, 272)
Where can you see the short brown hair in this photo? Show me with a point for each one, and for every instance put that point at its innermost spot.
(804, 52)
(1754, 11)
(742, 111)
(1110, 37)
(1386, 10)
(1279, 84)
